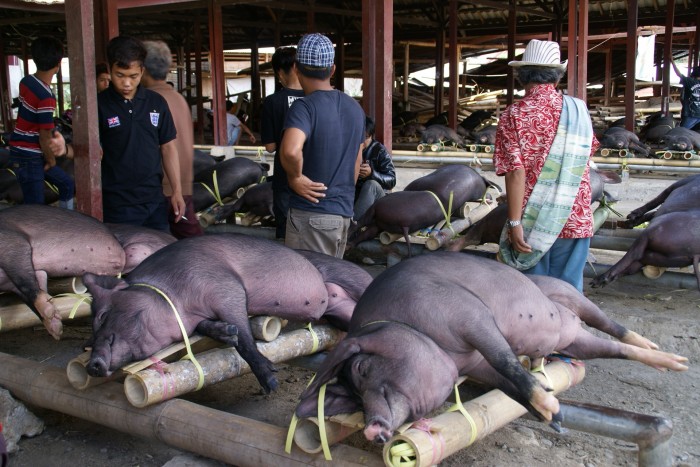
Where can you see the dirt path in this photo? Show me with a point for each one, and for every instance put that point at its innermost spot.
(670, 318)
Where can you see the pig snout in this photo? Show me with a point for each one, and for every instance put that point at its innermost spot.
(376, 431)
(97, 367)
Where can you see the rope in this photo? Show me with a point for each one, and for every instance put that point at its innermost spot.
(314, 337)
(448, 213)
(459, 406)
(185, 338)
(79, 297)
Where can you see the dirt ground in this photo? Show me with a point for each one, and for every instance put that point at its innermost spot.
(668, 317)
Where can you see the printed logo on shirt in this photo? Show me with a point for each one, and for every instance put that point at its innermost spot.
(154, 118)
(291, 99)
(113, 122)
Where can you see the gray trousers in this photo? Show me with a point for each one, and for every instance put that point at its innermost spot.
(370, 192)
(325, 233)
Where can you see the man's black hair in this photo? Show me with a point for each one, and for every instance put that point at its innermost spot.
(695, 73)
(283, 59)
(369, 126)
(101, 68)
(124, 50)
(47, 52)
(538, 74)
(229, 105)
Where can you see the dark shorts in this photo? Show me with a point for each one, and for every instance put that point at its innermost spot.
(153, 215)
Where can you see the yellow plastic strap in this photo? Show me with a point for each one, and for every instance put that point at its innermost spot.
(314, 337)
(607, 205)
(79, 298)
(458, 406)
(12, 172)
(215, 193)
(402, 454)
(51, 186)
(444, 213)
(186, 339)
(476, 161)
(540, 369)
(293, 426)
(624, 166)
(322, 424)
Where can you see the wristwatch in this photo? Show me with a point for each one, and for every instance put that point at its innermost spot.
(512, 224)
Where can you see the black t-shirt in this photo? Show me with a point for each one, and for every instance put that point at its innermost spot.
(131, 133)
(274, 113)
(334, 125)
(691, 97)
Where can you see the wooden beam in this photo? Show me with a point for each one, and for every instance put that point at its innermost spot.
(6, 93)
(86, 135)
(510, 79)
(198, 73)
(582, 50)
(572, 48)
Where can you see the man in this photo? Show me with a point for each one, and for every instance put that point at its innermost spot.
(690, 112)
(157, 66)
(321, 153)
(102, 77)
(377, 173)
(543, 146)
(234, 126)
(274, 113)
(33, 150)
(137, 135)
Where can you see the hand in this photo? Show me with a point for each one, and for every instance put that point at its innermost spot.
(517, 240)
(308, 189)
(251, 137)
(178, 204)
(365, 170)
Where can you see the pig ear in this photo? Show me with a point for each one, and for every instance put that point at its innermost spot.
(337, 400)
(610, 176)
(101, 288)
(332, 364)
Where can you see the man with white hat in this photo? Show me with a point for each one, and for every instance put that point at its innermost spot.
(543, 147)
(321, 153)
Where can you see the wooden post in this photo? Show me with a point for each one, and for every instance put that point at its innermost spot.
(630, 88)
(582, 50)
(255, 94)
(572, 41)
(216, 69)
(5, 91)
(86, 135)
(512, 27)
(198, 74)
(439, 70)
(454, 67)
(668, 56)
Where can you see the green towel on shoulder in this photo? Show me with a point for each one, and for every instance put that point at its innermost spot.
(549, 205)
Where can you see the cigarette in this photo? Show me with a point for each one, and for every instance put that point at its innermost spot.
(183, 217)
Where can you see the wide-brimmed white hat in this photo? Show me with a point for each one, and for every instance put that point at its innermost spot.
(541, 53)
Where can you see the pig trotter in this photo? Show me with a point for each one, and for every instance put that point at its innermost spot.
(555, 424)
(219, 330)
(49, 315)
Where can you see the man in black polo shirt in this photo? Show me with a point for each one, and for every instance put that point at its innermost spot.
(137, 135)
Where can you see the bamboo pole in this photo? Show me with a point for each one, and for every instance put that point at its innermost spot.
(66, 285)
(19, 315)
(266, 328)
(338, 427)
(473, 215)
(150, 386)
(449, 432)
(182, 424)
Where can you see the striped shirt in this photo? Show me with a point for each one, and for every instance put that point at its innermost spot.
(37, 105)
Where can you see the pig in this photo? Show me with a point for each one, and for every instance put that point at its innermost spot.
(440, 119)
(202, 161)
(681, 139)
(216, 282)
(489, 228)
(412, 130)
(415, 208)
(485, 135)
(681, 196)
(620, 138)
(440, 134)
(670, 240)
(656, 127)
(138, 242)
(231, 175)
(39, 242)
(417, 329)
(256, 200)
(475, 120)
(404, 118)
(345, 282)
